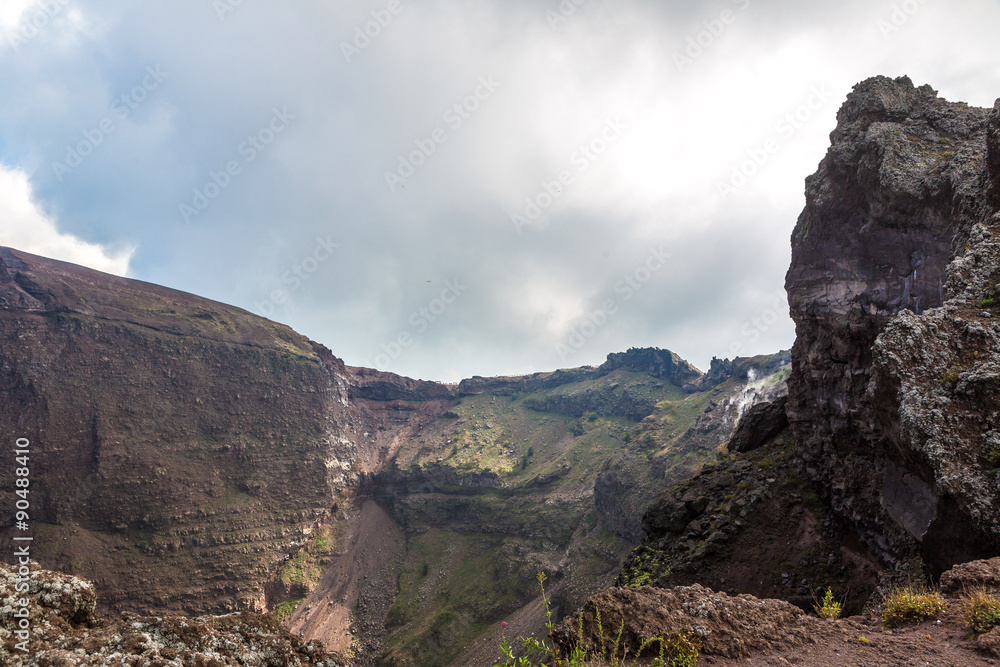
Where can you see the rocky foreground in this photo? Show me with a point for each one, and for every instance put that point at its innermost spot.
(732, 629)
(62, 629)
(744, 630)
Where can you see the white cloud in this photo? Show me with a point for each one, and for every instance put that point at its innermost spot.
(24, 227)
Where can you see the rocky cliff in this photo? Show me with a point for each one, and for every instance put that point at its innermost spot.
(181, 448)
(893, 289)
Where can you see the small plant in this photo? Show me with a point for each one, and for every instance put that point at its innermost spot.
(982, 611)
(864, 640)
(951, 377)
(424, 569)
(908, 605)
(531, 451)
(524, 462)
(993, 458)
(676, 650)
(592, 417)
(988, 303)
(450, 414)
(944, 140)
(828, 608)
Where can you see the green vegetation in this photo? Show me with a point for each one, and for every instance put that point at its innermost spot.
(305, 568)
(285, 609)
(988, 303)
(645, 567)
(908, 605)
(951, 377)
(495, 485)
(993, 459)
(478, 580)
(982, 611)
(828, 608)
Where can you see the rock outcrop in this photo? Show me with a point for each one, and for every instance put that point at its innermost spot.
(760, 424)
(63, 629)
(652, 361)
(892, 287)
(729, 626)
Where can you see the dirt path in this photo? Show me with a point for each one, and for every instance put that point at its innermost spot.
(356, 590)
(929, 644)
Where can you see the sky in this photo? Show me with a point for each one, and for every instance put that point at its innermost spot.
(453, 188)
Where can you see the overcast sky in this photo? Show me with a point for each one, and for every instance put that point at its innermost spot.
(446, 188)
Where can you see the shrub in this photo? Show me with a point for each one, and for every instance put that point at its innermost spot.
(450, 414)
(828, 608)
(676, 650)
(988, 303)
(592, 417)
(907, 605)
(982, 611)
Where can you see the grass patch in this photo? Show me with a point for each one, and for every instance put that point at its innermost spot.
(909, 605)
(285, 609)
(981, 612)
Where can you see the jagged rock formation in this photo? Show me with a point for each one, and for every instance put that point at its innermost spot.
(181, 449)
(892, 287)
(63, 629)
(662, 364)
(759, 424)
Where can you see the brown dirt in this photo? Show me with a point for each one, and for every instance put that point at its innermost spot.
(349, 604)
(929, 644)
